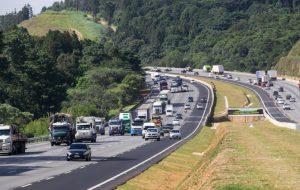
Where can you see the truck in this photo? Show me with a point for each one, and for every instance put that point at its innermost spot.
(115, 127)
(61, 129)
(85, 129)
(169, 110)
(163, 85)
(178, 80)
(217, 69)
(164, 96)
(12, 141)
(126, 119)
(143, 112)
(100, 125)
(207, 68)
(272, 74)
(158, 107)
(136, 127)
(260, 77)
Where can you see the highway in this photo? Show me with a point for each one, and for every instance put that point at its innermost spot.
(115, 159)
(273, 109)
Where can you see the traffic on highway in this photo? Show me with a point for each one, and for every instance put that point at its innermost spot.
(174, 111)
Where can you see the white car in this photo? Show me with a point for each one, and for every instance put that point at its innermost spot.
(152, 133)
(237, 79)
(286, 106)
(229, 76)
(192, 81)
(187, 106)
(200, 106)
(146, 126)
(293, 99)
(210, 75)
(280, 101)
(175, 134)
(176, 122)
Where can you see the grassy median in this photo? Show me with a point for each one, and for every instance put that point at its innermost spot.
(229, 156)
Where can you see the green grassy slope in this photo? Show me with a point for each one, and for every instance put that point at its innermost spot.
(290, 65)
(71, 21)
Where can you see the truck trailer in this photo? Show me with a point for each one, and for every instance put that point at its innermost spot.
(217, 69)
(272, 74)
(144, 111)
(12, 141)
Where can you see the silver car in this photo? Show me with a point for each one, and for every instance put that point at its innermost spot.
(175, 134)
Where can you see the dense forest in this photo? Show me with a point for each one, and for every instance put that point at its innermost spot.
(243, 35)
(43, 75)
(11, 19)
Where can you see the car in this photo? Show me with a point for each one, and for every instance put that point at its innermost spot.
(176, 121)
(152, 133)
(275, 93)
(286, 106)
(250, 81)
(237, 79)
(267, 88)
(79, 151)
(280, 101)
(178, 116)
(167, 128)
(288, 96)
(210, 75)
(280, 89)
(217, 77)
(175, 134)
(147, 126)
(183, 71)
(190, 99)
(203, 100)
(229, 76)
(196, 73)
(192, 81)
(187, 106)
(168, 69)
(200, 106)
(292, 99)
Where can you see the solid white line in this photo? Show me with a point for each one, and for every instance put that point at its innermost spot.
(67, 172)
(26, 185)
(145, 161)
(49, 178)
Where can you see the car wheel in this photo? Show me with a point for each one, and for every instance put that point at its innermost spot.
(68, 159)
(52, 144)
(158, 139)
(90, 158)
(87, 158)
(146, 139)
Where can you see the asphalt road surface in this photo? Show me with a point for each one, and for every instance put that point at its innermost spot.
(274, 110)
(115, 159)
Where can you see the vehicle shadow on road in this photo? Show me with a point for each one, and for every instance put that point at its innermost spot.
(14, 170)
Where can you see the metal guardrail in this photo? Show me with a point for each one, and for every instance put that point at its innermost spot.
(38, 139)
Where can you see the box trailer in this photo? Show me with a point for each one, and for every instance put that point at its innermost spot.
(217, 69)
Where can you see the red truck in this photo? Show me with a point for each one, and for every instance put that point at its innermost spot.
(163, 85)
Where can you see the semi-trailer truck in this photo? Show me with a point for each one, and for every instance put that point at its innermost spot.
(144, 111)
(272, 74)
(61, 129)
(126, 119)
(12, 141)
(217, 69)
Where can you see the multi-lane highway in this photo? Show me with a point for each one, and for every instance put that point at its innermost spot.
(115, 159)
(273, 109)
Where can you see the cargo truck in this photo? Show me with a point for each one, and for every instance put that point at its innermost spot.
(260, 77)
(217, 69)
(61, 129)
(126, 119)
(169, 110)
(163, 85)
(85, 129)
(136, 127)
(115, 127)
(272, 74)
(12, 141)
(159, 107)
(143, 112)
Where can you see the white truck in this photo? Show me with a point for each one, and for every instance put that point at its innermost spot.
(217, 69)
(272, 74)
(143, 112)
(164, 95)
(12, 141)
(85, 129)
(157, 108)
(260, 77)
(169, 110)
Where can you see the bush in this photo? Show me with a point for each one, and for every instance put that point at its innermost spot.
(37, 128)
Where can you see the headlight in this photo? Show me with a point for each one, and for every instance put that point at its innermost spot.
(69, 153)
(8, 140)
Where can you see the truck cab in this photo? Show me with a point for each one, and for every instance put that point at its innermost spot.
(136, 127)
(115, 127)
(85, 132)
(11, 140)
(60, 133)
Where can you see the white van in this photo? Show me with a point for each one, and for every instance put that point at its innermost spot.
(146, 126)
(169, 110)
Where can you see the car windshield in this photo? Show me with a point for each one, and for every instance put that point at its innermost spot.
(4, 132)
(60, 128)
(115, 122)
(83, 127)
(175, 131)
(78, 146)
(148, 127)
(152, 130)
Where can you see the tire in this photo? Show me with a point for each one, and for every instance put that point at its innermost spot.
(90, 158)
(158, 139)
(52, 143)
(87, 158)
(23, 147)
(68, 159)
(146, 139)
(14, 149)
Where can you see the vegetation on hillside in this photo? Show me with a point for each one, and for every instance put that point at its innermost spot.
(43, 75)
(244, 35)
(71, 21)
(290, 65)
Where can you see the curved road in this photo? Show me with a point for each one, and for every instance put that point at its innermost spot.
(115, 159)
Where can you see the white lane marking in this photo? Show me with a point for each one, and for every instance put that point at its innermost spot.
(26, 185)
(68, 172)
(147, 160)
(50, 178)
(82, 167)
(49, 162)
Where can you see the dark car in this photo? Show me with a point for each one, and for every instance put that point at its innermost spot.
(280, 89)
(167, 128)
(178, 116)
(190, 99)
(183, 71)
(196, 73)
(79, 151)
(275, 93)
(203, 100)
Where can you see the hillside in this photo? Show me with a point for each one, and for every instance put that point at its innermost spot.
(84, 27)
(290, 65)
